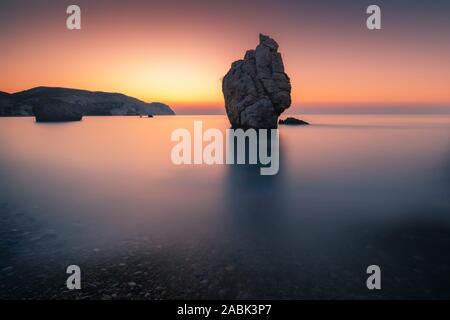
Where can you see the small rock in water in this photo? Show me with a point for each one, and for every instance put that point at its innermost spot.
(55, 110)
(292, 121)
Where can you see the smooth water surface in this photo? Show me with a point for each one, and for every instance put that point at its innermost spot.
(104, 194)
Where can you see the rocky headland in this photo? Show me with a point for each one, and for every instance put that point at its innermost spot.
(62, 103)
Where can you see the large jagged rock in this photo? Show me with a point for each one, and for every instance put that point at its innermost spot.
(55, 110)
(256, 89)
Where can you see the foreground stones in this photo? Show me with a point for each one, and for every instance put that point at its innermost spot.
(256, 89)
(54, 110)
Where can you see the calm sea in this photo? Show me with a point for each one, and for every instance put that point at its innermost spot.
(103, 193)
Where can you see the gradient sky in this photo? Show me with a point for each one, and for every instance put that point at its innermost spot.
(177, 51)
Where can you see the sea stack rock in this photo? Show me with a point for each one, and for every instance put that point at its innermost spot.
(256, 89)
(55, 110)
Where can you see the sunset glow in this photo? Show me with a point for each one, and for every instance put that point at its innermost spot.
(177, 53)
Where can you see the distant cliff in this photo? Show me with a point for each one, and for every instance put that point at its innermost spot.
(88, 103)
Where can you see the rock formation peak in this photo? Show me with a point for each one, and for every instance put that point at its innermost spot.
(268, 42)
(256, 89)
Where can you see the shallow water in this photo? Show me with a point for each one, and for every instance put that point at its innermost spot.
(103, 193)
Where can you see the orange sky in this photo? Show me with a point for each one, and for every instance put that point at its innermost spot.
(178, 56)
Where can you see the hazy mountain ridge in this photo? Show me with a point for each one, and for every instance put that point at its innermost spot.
(89, 103)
